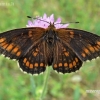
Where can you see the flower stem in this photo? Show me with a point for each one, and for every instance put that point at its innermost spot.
(45, 82)
(33, 87)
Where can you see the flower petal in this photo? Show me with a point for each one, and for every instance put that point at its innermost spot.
(58, 20)
(64, 25)
(51, 18)
(30, 22)
(44, 16)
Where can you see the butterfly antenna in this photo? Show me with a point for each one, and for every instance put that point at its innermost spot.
(67, 23)
(38, 19)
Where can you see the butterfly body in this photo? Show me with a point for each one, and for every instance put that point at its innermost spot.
(34, 48)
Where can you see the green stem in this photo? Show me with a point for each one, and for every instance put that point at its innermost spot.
(45, 82)
(33, 87)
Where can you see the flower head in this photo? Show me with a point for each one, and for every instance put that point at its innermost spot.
(45, 21)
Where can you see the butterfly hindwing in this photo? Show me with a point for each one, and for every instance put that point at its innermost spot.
(16, 43)
(85, 44)
(65, 60)
(34, 61)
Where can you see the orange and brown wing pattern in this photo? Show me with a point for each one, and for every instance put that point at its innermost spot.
(65, 60)
(34, 61)
(85, 44)
(18, 42)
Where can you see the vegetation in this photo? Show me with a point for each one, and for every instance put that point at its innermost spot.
(15, 85)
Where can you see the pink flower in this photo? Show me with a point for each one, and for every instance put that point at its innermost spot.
(45, 21)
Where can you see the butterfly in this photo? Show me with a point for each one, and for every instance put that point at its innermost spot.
(35, 48)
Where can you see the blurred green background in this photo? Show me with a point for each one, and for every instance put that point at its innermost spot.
(15, 85)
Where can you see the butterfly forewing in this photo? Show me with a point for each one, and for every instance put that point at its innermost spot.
(16, 43)
(84, 44)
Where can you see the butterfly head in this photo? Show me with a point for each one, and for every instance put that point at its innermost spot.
(51, 26)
